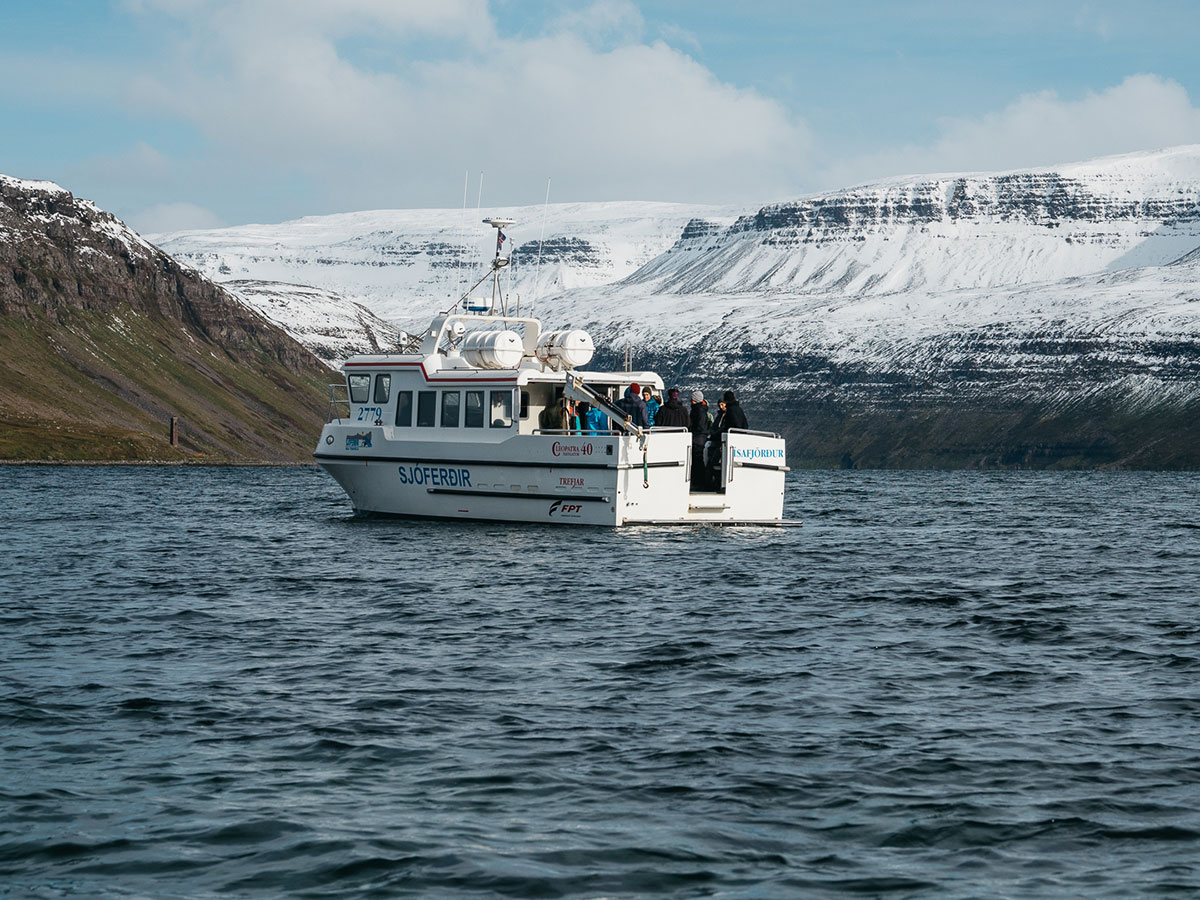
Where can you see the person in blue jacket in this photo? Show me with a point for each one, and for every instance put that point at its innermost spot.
(593, 421)
(651, 405)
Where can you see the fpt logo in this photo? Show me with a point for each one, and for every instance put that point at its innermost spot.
(565, 510)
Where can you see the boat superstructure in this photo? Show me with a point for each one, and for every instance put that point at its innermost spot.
(449, 428)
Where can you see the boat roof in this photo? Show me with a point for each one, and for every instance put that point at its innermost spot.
(435, 370)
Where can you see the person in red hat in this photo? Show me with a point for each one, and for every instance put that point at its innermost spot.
(634, 406)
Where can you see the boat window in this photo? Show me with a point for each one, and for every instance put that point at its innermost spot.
(426, 408)
(383, 384)
(473, 414)
(404, 408)
(502, 409)
(360, 388)
(524, 404)
(450, 409)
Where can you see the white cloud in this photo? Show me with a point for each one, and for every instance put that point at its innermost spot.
(1143, 112)
(271, 83)
(454, 18)
(165, 218)
(142, 164)
(604, 22)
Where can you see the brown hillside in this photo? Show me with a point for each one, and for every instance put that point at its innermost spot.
(103, 338)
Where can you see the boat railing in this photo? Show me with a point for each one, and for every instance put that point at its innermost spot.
(769, 434)
(337, 401)
(574, 432)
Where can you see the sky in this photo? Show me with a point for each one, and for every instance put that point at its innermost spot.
(177, 114)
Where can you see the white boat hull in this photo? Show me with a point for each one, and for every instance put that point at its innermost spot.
(606, 480)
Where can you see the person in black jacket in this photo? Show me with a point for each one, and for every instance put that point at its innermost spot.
(735, 417)
(672, 413)
(713, 449)
(698, 425)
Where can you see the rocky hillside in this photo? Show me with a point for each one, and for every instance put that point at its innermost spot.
(104, 338)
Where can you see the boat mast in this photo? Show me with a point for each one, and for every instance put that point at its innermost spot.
(499, 262)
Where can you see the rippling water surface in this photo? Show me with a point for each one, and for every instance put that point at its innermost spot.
(219, 682)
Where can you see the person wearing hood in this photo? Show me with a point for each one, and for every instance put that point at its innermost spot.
(634, 406)
(592, 420)
(735, 417)
(672, 414)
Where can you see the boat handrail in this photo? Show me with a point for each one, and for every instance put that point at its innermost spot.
(333, 411)
(769, 434)
(575, 432)
(665, 429)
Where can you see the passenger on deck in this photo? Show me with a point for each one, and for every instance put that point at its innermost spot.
(730, 415)
(736, 417)
(598, 423)
(672, 414)
(550, 418)
(582, 408)
(634, 407)
(574, 420)
(699, 423)
(652, 405)
(713, 449)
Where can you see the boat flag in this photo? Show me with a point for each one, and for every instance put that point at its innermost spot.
(500, 239)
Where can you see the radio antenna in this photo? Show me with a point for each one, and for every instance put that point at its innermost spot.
(537, 269)
(462, 230)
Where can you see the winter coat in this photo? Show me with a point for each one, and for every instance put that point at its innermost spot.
(595, 422)
(652, 408)
(734, 417)
(634, 407)
(699, 423)
(672, 414)
(551, 418)
(718, 428)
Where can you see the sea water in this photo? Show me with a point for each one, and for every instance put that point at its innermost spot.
(220, 682)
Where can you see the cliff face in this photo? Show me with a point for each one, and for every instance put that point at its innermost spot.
(949, 233)
(105, 338)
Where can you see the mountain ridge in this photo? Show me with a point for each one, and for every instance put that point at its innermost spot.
(1054, 308)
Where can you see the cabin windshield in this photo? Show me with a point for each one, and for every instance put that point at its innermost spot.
(502, 409)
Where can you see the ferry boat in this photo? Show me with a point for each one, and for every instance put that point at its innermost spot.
(449, 428)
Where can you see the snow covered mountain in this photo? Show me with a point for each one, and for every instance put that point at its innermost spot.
(330, 326)
(1041, 317)
(950, 232)
(406, 264)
